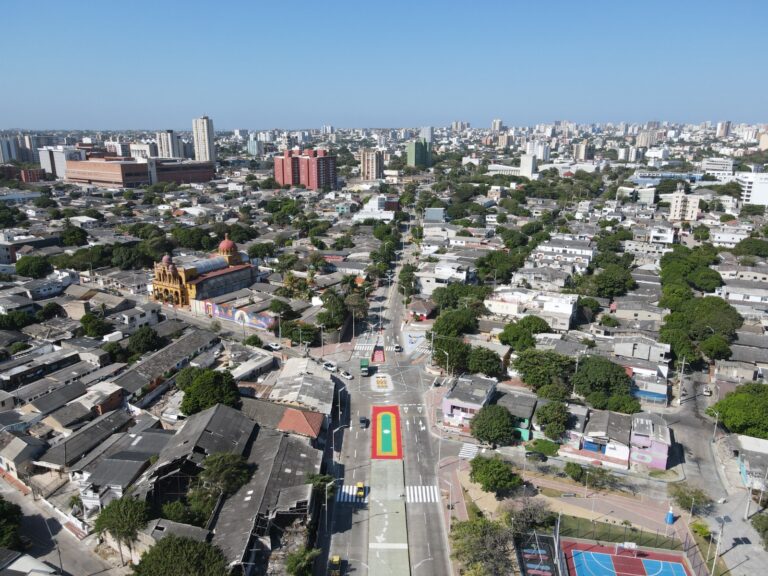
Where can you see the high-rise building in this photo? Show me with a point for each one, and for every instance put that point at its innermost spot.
(646, 139)
(168, 144)
(583, 151)
(327, 129)
(723, 129)
(315, 169)
(528, 165)
(202, 135)
(763, 142)
(8, 150)
(419, 153)
(497, 125)
(542, 151)
(255, 146)
(371, 164)
(148, 150)
(427, 133)
(754, 186)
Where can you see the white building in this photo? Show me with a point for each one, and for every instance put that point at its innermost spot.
(143, 151)
(718, 167)
(168, 145)
(728, 236)
(754, 186)
(8, 150)
(557, 309)
(202, 135)
(431, 276)
(53, 159)
(683, 208)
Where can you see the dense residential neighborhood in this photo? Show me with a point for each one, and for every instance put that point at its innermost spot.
(210, 347)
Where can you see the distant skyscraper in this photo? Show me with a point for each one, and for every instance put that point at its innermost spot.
(419, 153)
(168, 145)
(427, 133)
(497, 125)
(723, 129)
(8, 150)
(315, 169)
(327, 129)
(583, 151)
(542, 151)
(202, 135)
(371, 164)
(255, 146)
(527, 165)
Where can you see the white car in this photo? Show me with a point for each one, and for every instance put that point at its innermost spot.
(346, 375)
(330, 366)
(274, 346)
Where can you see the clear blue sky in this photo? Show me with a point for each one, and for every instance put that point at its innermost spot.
(253, 64)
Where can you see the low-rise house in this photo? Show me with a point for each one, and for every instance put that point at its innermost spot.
(467, 395)
(751, 459)
(745, 291)
(542, 278)
(629, 309)
(420, 308)
(13, 563)
(431, 276)
(650, 441)
(606, 439)
(522, 407)
(17, 452)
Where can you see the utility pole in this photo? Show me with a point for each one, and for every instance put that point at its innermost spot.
(717, 548)
(680, 384)
(714, 431)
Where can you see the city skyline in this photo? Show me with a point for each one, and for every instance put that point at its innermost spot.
(423, 66)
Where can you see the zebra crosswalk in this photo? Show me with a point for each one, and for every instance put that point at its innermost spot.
(468, 451)
(348, 495)
(369, 347)
(416, 494)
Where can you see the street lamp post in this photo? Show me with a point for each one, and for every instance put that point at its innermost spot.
(322, 340)
(586, 481)
(714, 431)
(333, 442)
(447, 361)
(326, 503)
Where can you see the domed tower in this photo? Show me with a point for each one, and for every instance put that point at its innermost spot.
(228, 251)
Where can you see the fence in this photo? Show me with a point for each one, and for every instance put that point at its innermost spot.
(695, 556)
(573, 527)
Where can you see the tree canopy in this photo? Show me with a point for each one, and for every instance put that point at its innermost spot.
(225, 471)
(177, 556)
(494, 475)
(10, 522)
(743, 410)
(33, 266)
(483, 546)
(538, 368)
(123, 518)
(493, 424)
(207, 389)
(520, 334)
(553, 418)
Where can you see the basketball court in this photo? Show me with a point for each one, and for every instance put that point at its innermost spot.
(585, 559)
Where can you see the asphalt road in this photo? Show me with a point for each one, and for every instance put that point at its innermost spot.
(52, 543)
(427, 537)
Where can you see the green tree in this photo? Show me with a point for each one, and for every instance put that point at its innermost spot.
(715, 348)
(33, 266)
(50, 310)
(743, 410)
(178, 556)
(701, 233)
(574, 471)
(538, 368)
(407, 284)
(74, 236)
(553, 418)
(687, 496)
(94, 326)
(253, 340)
(494, 425)
(483, 546)
(596, 374)
(300, 562)
(10, 523)
(186, 376)
(623, 403)
(705, 279)
(225, 471)
(454, 323)
(752, 247)
(613, 281)
(261, 250)
(483, 361)
(145, 339)
(208, 389)
(520, 334)
(451, 354)
(123, 518)
(494, 475)
(760, 524)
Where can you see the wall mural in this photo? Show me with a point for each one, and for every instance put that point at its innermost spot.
(258, 320)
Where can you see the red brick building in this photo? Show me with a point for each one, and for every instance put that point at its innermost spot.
(315, 169)
(32, 175)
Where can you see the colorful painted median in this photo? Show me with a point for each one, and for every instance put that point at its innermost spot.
(386, 441)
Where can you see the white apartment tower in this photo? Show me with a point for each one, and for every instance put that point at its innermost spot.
(202, 135)
(723, 129)
(497, 125)
(168, 145)
(682, 207)
(371, 164)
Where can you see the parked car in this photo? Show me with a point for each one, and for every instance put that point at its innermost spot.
(360, 490)
(707, 391)
(363, 422)
(398, 348)
(274, 346)
(536, 456)
(346, 375)
(330, 366)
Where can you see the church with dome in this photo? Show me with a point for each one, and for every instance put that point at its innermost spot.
(201, 279)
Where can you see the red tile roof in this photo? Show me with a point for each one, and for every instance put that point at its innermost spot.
(301, 422)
